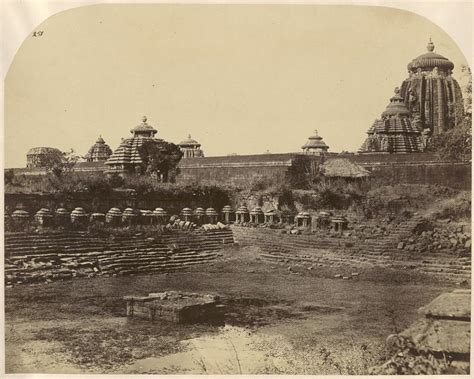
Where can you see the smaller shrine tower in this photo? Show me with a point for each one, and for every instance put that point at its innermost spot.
(315, 145)
(191, 148)
(38, 156)
(394, 131)
(99, 152)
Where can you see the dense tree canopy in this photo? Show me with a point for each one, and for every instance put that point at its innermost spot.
(58, 163)
(160, 158)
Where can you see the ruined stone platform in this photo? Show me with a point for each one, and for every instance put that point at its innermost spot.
(438, 343)
(177, 307)
(445, 327)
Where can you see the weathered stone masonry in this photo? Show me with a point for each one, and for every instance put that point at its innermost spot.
(64, 255)
(346, 251)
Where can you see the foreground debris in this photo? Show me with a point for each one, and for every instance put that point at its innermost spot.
(437, 344)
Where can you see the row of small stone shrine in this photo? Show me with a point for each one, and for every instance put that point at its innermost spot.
(199, 216)
(114, 217)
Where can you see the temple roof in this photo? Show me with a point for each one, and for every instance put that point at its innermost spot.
(189, 142)
(394, 132)
(42, 150)
(100, 140)
(343, 168)
(396, 125)
(430, 60)
(144, 129)
(127, 153)
(100, 151)
(396, 105)
(315, 142)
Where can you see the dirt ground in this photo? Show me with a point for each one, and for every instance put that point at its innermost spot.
(277, 321)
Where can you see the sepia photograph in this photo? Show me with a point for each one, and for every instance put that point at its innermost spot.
(237, 189)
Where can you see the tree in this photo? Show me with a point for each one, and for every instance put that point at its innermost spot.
(467, 90)
(58, 163)
(160, 158)
(453, 144)
(8, 175)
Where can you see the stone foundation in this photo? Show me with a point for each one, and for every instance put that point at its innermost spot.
(172, 306)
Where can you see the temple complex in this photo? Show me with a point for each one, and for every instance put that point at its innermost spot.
(431, 94)
(36, 156)
(99, 152)
(191, 148)
(126, 158)
(428, 103)
(315, 145)
(394, 131)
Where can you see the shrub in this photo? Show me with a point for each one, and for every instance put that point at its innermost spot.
(8, 176)
(455, 208)
(454, 144)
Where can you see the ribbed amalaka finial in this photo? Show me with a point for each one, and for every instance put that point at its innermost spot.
(430, 45)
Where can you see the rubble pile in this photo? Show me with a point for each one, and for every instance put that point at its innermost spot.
(443, 237)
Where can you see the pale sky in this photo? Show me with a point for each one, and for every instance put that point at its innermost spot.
(239, 79)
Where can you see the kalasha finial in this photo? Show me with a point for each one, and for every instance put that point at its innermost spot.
(189, 136)
(430, 46)
(397, 91)
(144, 119)
(316, 132)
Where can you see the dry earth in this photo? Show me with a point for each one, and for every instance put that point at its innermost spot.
(278, 321)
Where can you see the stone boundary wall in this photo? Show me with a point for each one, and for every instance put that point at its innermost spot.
(449, 174)
(411, 168)
(44, 257)
(344, 251)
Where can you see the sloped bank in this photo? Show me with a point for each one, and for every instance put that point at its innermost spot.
(350, 250)
(56, 255)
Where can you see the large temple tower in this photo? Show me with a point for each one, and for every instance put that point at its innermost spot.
(429, 102)
(432, 95)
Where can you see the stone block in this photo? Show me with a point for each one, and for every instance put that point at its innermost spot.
(456, 304)
(447, 336)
